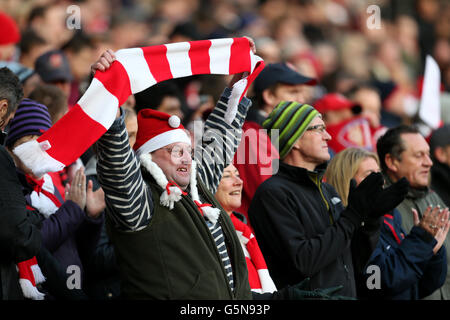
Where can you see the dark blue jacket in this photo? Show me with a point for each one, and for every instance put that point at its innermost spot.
(408, 268)
(69, 234)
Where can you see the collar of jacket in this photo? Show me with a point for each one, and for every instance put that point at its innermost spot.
(413, 193)
(298, 173)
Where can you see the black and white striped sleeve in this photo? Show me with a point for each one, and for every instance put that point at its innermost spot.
(220, 140)
(128, 198)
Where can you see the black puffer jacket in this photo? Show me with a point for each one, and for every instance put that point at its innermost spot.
(20, 238)
(303, 232)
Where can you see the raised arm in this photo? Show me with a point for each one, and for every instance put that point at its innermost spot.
(220, 140)
(128, 199)
(222, 132)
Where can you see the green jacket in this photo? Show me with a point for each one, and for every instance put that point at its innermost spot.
(175, 256)
(420, 200)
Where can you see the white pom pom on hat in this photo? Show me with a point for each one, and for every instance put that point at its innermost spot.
(174, 121)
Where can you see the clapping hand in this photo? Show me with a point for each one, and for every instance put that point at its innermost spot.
(95, 201)
(76, 191)
(434, 221)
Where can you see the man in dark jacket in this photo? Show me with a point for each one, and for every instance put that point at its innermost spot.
(404, 152)
(300, 222)
(20, 239)
(256, 158)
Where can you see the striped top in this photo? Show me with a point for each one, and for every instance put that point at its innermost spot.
(129, 201)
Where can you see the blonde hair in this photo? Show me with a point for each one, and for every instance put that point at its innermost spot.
(343, 167)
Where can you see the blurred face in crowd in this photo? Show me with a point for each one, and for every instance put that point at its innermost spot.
(442, 154)
(172, 106)
(175, 160)
(64, 86)
(366, 167)
(80, 62)
(52, 25)
(336, 116)
(370, 102)
(414, 162)
(312, 147)
(29, 59)
(287, 92)
(229, 191)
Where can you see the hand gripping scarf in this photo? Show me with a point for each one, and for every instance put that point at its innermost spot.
(133, 71)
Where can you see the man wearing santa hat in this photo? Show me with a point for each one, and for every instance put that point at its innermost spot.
(172, 239)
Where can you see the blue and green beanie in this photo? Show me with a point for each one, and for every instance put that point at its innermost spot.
(291, 120)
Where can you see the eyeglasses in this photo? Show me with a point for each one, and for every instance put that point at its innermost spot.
(178, 152)
(319, 128)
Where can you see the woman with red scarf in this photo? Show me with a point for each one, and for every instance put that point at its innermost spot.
(229, 195)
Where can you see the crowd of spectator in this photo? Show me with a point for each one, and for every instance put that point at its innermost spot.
(359, 64)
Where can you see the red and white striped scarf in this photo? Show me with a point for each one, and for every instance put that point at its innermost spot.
(44, 201)
(133, 71)
(258, 274)
(29, 276)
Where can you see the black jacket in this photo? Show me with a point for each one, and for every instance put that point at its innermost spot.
(440, 180)
(302, 230)
(20, 238)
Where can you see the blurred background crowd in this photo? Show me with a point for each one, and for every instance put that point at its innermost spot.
(360, 63)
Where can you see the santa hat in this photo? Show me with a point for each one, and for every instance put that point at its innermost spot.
(157, 130)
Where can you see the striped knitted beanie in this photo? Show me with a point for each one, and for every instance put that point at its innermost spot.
(291, 120)
(31, 118)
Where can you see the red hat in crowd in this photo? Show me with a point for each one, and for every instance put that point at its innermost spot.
(157, 129)
(9, 32)
(335, 102)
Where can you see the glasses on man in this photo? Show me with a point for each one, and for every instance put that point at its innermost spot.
(319, 128)
(178, 152)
